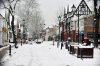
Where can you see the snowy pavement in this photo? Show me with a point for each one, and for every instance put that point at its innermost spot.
(46, 54)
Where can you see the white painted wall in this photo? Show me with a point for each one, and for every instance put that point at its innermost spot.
(1, 25)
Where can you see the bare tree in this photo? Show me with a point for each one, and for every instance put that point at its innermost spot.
(30, 12)
(10, 5)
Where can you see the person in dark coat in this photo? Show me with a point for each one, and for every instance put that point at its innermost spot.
(89, 42)
(61, 45)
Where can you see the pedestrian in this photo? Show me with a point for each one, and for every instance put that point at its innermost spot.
(61, 45)
(53, 42)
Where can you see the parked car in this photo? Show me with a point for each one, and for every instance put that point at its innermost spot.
(26, 41)
(30, 41)
(39, 41)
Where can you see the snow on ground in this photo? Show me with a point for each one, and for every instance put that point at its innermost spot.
(46, 54)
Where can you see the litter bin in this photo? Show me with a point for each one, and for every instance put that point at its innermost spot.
(66, 45)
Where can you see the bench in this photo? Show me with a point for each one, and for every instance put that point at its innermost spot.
(85, 52)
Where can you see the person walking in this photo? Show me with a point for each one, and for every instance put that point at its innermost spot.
(21, 41)
(61, 45)
(53, 40)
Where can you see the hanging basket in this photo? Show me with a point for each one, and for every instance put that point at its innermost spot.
(4, 29)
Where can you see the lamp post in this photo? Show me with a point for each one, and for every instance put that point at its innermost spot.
(42, 26)
(24, 31)
(69, 28)
(82, 9)
(59, 19)
(97, 16)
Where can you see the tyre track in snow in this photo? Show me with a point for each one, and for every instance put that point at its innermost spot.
(33, 56)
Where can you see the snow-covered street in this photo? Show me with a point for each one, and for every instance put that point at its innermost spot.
(46, 54)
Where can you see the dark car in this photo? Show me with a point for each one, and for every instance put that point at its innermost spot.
(39, 41)
(30, 40)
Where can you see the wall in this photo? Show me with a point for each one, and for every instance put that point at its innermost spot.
(1, 25)
(88, 25)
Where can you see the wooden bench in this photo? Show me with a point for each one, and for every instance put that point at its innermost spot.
(85, 52)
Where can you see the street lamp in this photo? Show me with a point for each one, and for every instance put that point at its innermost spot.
(42, 26)
(97, 16)
(78, 21)
(82, 9)
(68, 20)
(24, 30)
(59, 19)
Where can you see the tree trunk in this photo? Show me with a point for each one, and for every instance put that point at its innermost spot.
(13, 28)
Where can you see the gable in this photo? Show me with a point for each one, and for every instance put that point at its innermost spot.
(80, 11)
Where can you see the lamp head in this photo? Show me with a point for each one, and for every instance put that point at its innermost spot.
(59, 18)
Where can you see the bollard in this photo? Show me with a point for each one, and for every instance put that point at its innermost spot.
(53, 42)
(9, 49)
(66, 46)
(21, 42)
(61, 45)
(57, 44)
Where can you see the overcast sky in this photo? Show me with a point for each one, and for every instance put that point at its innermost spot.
(50, 9)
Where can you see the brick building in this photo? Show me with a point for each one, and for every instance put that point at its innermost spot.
(86, 29)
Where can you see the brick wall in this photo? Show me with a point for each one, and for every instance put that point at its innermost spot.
(88, 25)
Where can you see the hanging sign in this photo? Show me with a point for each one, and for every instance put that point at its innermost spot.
(4, 29)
